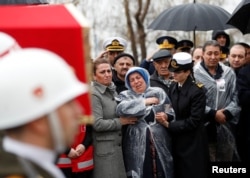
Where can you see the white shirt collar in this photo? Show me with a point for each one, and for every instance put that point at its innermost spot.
(42, 157)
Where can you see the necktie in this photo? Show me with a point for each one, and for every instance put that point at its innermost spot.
(179, 88)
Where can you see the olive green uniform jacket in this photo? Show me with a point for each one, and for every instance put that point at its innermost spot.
(13, 165)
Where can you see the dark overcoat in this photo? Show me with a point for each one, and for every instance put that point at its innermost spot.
(120, 85)
(190, 149)
(243, 86)
(155, 82)
(12, 165)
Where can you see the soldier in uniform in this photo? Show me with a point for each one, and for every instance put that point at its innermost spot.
(167, 42)
(112, 47)
(224, 55)
(7, 45)
(163, 42)
(38, 112)
(190, 150)
(184, 46)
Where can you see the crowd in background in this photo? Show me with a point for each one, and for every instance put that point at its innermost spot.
(206, 87)
(182, 108)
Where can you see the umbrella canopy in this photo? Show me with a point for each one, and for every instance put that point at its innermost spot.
(5, 2)
(192, 17)
(241, 17)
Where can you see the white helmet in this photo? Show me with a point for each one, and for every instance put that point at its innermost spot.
(34, 82)
(7, 44)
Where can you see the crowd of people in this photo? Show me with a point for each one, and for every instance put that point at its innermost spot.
(181, 109)
(202, 118)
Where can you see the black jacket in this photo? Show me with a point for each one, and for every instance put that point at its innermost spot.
(120, 85)
(11, 165)
(243, 131)
(190, 149)
(155, 82)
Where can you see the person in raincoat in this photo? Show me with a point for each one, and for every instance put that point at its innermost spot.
(222, 109)
(147, 144)
(189, 139)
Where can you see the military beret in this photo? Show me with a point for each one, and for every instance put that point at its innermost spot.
(166, 42)
(115, 44)
(122, 55)
(162, 54)
(181, 61)
(184, 45)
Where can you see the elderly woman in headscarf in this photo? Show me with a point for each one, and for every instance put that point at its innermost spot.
(146, 144)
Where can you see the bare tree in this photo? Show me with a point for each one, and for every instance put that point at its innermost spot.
(130, 19)
(139, 16)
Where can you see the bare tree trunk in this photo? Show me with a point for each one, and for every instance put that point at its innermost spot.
(137, 36)
(131, 32)
(140, 17)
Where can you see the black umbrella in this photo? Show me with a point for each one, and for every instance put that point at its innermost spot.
(192, 17)
(241, 17)
(6, 2)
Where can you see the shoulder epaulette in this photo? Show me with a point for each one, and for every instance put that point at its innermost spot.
(200, 85)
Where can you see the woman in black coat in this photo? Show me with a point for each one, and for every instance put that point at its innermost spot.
(190, 149)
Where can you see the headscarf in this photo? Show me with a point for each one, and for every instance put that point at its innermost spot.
(143, 72)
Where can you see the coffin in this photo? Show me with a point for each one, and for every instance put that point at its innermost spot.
(59, 28)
